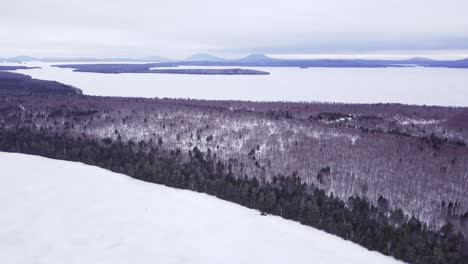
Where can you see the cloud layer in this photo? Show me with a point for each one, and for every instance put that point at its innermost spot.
(110, 28)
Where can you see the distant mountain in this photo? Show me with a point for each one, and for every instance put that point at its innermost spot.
(18, 59)
(29, 58)
(157, 59)
(204, 57)
(256, 58)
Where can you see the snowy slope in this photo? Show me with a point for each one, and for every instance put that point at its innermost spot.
(64, 212)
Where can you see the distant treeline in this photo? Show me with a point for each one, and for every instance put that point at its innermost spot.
(374, 227)
(20, 84)
(13, 68)
(146, 68)
(259, 60)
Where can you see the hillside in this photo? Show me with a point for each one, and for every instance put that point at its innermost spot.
(63, 211)
(370, 150)
(389, 177)
(256, 58)
(203, 57)
(19, 84)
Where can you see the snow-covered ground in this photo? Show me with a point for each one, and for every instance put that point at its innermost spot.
(63, 212)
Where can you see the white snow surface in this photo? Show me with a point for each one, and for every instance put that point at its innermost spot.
(64, 212)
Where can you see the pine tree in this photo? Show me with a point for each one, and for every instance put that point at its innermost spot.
(270, 201)
(261, 201)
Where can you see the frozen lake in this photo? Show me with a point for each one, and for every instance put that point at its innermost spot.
(415, 85)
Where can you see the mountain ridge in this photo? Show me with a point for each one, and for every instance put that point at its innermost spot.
(204, 57)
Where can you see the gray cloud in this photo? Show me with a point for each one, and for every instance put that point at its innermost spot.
(180, 27)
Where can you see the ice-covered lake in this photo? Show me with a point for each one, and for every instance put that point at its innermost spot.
(411, 85)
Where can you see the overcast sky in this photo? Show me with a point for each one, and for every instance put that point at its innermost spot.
(177, 28)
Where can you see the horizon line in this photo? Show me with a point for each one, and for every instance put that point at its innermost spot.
(287, 56)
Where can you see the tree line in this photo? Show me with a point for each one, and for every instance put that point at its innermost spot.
(375, 227)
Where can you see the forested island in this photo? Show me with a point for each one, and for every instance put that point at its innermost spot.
(390, 177)
(147, 68)
(257, 60)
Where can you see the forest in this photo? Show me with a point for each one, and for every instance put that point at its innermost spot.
(414, 156)
(377, 228)
(390, 177)
(20, 84)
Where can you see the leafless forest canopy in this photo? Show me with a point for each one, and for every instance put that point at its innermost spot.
(414, 156)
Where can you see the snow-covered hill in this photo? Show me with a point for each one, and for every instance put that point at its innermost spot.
(64, 212)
